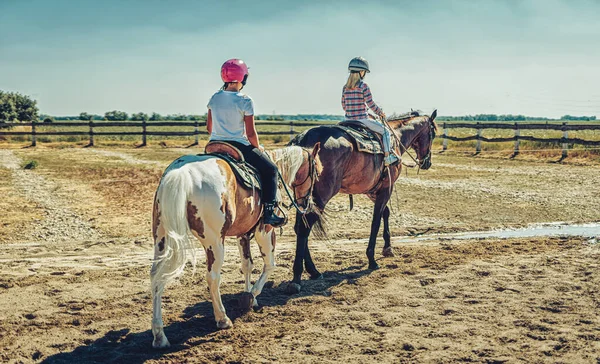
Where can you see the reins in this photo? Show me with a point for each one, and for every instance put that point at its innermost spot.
(311, 175)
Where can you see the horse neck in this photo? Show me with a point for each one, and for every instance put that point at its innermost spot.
(410, 132)
(288, 160)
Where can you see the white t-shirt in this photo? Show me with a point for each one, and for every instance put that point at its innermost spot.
(228, 109)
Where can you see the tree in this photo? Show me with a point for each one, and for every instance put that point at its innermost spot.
(156, 117)
(15, 106)
(116, 115)
(139, 117)
(85, 116)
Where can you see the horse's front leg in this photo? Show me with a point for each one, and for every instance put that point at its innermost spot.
(266, 244)
(387, 246)
(302, 232)
(247, 264)
(380, 204)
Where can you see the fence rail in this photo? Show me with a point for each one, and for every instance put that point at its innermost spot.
(517, 137)
(94, 129)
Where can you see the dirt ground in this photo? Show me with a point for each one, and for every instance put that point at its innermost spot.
(75, 253)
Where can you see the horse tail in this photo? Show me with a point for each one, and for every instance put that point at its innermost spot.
(173, 193)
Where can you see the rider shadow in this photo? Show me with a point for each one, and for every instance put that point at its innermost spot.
(124, 346)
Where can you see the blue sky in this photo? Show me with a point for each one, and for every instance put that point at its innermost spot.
(535, 57)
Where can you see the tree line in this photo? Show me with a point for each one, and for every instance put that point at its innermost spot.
(18, 107)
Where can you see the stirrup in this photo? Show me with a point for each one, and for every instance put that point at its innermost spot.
(391, 159)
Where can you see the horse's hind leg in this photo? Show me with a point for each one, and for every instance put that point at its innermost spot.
(215, 256)
(387, 247)
(157, 279)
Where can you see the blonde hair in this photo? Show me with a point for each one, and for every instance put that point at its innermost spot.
(353, 79)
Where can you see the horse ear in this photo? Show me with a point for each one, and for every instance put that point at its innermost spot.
(433, 115)
(316, 149)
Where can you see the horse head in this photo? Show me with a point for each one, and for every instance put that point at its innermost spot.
(418, 133)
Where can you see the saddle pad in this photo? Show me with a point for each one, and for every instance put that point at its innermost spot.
(246, 174)
(366, 140)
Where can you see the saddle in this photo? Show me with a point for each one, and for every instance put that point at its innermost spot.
(245, 174)
(365, 139)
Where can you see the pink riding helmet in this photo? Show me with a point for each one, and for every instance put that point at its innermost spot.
(234, 70)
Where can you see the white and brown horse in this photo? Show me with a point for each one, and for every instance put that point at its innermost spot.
(199, 195)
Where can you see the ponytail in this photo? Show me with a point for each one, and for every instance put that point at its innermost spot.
(353, 80)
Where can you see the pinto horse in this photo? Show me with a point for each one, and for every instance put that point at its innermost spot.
(346, 170)
(200, 195)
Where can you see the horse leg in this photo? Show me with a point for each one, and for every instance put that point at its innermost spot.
(266, 244)
(380, 203)
(247, 263)
(310, 266)
(387, 247)
(158, 285)
(302, 233)
(215, 256)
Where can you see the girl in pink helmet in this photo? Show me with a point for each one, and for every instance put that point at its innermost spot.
(356, 97)
(231, 119)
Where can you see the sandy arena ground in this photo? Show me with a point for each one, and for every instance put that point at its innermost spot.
(75, 253)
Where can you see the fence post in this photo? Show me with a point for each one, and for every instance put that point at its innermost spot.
(565, 146)
(91, 144)
(291, 129)
(196, 131)
(444, 140)
(143, 133)
(478, 146)
(33, 134)
(517, 141)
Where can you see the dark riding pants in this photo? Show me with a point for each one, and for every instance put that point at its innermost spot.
(266, 169)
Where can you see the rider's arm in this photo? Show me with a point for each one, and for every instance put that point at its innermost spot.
(251, 131)
(209, 122)
(344, 100)
(369, 100)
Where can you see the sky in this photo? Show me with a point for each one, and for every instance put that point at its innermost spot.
(532, 57)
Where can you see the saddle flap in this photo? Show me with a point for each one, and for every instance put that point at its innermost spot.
(220, 147)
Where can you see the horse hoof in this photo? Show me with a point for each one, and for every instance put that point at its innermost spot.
(373, 266)
(160, 342)
(293, 288)
(388, 252)
(224, 324)
(246, 301)
(316, 277)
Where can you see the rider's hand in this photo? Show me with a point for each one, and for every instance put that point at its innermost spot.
(382, 115)
(261, 148)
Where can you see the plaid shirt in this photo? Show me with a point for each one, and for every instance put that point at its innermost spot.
(356, 100)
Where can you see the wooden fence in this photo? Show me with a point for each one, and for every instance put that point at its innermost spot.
(517, 137)
(95, 128)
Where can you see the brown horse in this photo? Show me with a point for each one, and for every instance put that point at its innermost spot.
(346, 170)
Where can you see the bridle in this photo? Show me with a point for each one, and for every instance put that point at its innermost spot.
(313, 174)
(431, 130)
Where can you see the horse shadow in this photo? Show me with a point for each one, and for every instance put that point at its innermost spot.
(124, 346)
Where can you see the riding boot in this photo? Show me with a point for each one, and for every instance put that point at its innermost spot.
(269, 216)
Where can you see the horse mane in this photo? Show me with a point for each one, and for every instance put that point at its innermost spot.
(288, 160)
(407, 123)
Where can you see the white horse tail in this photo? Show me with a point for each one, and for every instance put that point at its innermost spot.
(173, 192)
